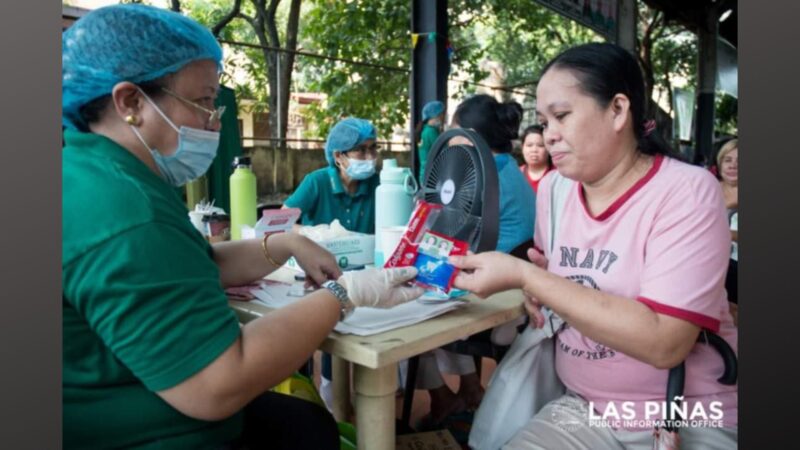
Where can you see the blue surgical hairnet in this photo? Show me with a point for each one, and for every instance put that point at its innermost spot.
(347, 134)
(130, 42)
(432, 109)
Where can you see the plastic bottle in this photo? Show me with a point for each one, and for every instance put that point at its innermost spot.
(243, 196)
(394, 201)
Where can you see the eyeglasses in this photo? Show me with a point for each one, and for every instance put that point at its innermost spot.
(214, 115)
(367, 150)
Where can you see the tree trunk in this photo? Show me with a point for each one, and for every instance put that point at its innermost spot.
(646, 60)
(292, 27)
(279, 65)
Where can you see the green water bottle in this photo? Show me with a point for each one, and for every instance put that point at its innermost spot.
(243, 196)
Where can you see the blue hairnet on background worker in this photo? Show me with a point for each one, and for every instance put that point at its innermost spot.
(428, 131)
(344, 190)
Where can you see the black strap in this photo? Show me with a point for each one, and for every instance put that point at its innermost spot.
(521, 251)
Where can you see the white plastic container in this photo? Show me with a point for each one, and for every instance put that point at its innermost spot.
(394, 201)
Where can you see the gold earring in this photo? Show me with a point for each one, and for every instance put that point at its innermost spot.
(131, 119)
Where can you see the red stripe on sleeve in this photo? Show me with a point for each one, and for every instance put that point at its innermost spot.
(698, 319)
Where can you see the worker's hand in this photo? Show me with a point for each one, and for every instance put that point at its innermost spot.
(381, 288)
(318, 263)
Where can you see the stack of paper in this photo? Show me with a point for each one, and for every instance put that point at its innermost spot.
(367, 321)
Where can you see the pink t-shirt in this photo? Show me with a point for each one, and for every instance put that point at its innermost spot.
(665, 242)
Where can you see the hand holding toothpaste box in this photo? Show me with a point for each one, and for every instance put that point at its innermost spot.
(427, 250)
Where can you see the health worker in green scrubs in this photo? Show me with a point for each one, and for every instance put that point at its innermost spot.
(153, 357)
(428, 131)
(344, 190)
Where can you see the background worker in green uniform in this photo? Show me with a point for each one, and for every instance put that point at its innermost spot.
(344, 190)
(153, 358)
(428, 130)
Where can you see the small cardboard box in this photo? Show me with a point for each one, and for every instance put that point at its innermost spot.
(355, 249)
(431, 440)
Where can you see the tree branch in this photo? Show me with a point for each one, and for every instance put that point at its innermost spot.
(217, 28)
(557, 35)
(269, 18)
(248, 19)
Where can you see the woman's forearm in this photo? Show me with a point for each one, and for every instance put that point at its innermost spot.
(269, 349)
(277, 344)
(624, 324)
(242, 262)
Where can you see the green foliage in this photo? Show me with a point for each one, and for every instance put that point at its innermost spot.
(523, 36)
(209, 13)
(374, 31)
(671, 56)
(726, 117)
(675, 55)
(520, 35)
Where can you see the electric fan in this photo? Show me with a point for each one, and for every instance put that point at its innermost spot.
(463, 179)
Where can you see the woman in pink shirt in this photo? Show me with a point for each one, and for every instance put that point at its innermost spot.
(636, 271)
(537, 161)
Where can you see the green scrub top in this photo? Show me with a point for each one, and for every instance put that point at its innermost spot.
(428, 137)
(143, 306)
(322, 197)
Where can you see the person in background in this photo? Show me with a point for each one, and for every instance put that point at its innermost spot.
(637, 270)
(498, 124)
(537, 161)
(428, 130)
(732, 277)
(153, 357)
(345, 190)
(728, 166)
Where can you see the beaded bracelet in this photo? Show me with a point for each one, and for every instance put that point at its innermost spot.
(266, 252)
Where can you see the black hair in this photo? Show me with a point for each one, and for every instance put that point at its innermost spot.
(605, 70)
(497, 123)
(92, 111)
(533, 129)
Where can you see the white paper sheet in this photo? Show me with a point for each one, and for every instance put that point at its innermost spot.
(365, 321)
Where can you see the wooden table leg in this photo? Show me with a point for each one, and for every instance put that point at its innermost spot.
(375, 421)
(340, 371)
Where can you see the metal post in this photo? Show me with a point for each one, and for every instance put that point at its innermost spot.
(278, 89)
(706, 85)
(626, 25)
(429, 63)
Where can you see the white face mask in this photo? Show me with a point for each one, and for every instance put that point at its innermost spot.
(193, 156)
(360, 169)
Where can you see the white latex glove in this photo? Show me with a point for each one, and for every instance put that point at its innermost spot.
(380, 288)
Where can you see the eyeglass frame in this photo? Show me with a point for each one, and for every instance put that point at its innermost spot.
(214, 116)
(373, 150)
